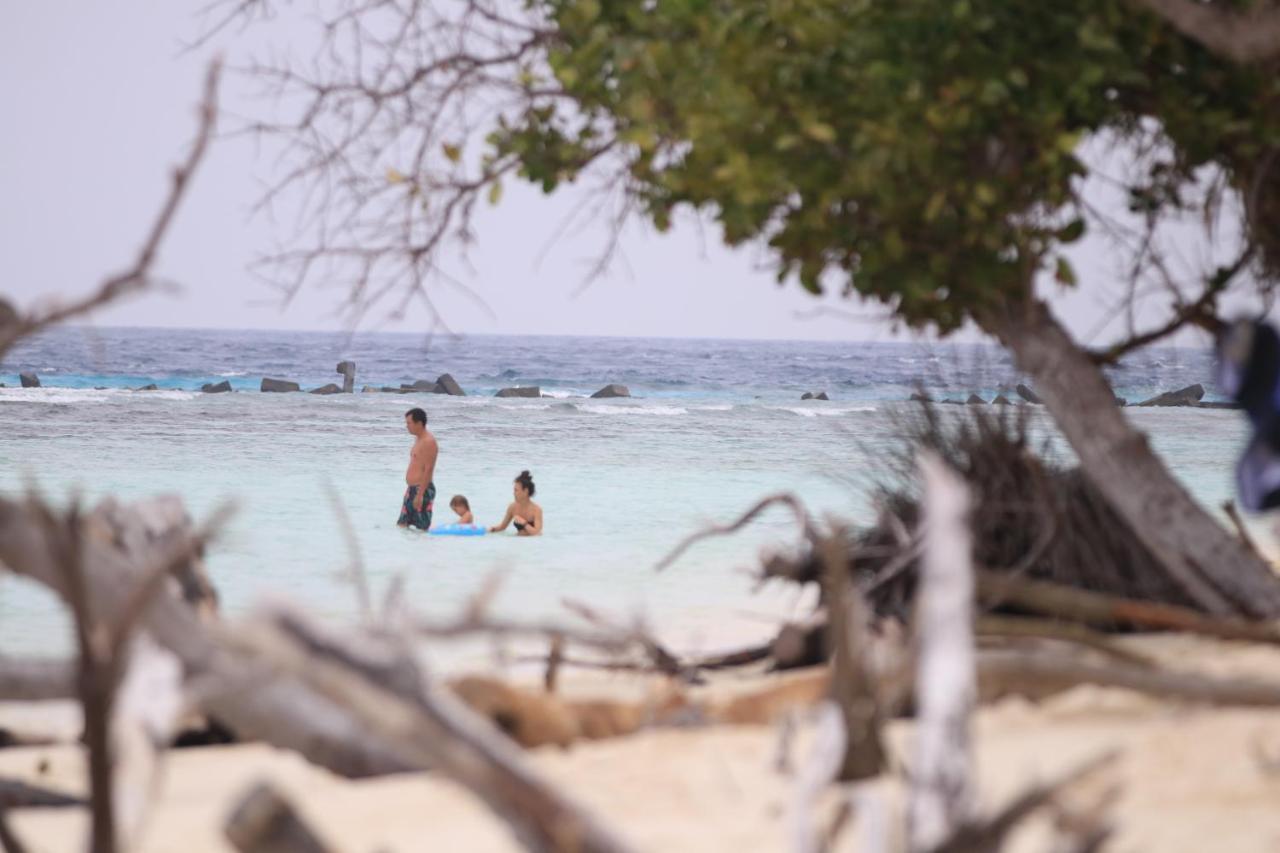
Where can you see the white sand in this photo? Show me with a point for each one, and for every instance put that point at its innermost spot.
(1190, 779)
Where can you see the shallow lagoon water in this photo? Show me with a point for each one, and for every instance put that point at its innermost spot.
(715, 426)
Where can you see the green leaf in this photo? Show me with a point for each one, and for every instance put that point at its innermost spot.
(1064, 273)
(452, 152)
(1071, 232)
(495, 192)
(820, 132)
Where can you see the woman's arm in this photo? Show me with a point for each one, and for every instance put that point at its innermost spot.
(534, 527)
(511, 510)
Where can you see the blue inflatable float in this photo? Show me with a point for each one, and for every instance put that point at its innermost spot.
(458, 530)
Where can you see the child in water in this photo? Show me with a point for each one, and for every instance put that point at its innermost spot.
(459, 504)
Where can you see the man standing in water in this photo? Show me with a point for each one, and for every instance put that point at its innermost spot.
(421, 491)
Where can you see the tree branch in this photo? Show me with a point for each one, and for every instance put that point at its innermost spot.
(1243, 37)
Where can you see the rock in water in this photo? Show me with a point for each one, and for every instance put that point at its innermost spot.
(975, 400)
(1027, 394)
(1001, 400)
(533, 391)
(446, 384)
(151, 387)
(279, 386)
(807, 395)
(420, 385)
(217, 388)
(369, 389)
(29, 380)
(821, 395)
(613, 389)
(327, 389)
(1188, 396)
(348, 371)
(920, 397)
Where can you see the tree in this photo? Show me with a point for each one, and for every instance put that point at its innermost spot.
(921, 153)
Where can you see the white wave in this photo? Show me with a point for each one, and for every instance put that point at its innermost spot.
(825, 411)
(87, 395)
(527, 407)
(558, 394)
(170, 394)
(602, 409)
(53, 395)
(720, 408)
(235, 373)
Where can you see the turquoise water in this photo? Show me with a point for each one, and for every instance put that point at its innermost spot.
(621, 481)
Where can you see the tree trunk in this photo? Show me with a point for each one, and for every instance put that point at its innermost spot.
(1214, 567)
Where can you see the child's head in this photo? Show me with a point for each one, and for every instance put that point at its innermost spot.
(459, 504)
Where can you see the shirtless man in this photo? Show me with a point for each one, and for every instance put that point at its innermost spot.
(421, 492)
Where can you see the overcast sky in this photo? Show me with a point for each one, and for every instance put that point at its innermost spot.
(97, 101)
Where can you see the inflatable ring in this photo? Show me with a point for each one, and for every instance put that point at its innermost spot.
(458, 530)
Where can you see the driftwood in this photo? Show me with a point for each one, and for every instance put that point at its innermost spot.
(35, 680)
(228, 684)
(942, 796)
(823, 767)
(20, 795)
(397, 706)
(1111, 611)
(265, 822)
(853, 686)
(995, 630)
(989, 835)
(1002, 672)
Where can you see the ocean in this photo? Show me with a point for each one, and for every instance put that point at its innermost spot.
(712, 426)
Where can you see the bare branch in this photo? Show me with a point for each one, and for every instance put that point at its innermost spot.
(786, 499)
(1095, 608)
(265, 822)
(853, 686)
(1199, 313)
(431, 729)
(1245, 37)
(942, 790)
(26, 680)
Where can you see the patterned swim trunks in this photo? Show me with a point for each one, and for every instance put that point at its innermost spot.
(411, 516)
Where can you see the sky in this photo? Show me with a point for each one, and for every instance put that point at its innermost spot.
(98, 100)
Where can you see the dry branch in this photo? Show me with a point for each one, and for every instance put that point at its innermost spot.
(1005, 671)
(1238, 35)
(265, 822)
(853, 685)
(35, 680)
(786, 499)
(1016, 627)
(989, 835)
(20, 795)
(822, 768)
(1109, 611)
(231, 686)
(431, 729)
(942, 798)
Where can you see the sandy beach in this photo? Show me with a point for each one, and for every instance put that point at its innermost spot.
(1187, 778)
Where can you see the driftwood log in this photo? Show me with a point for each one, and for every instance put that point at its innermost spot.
(265, 822)
(281, 711)
(381, 686)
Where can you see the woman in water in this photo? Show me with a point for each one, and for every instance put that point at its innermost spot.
(523, 512)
